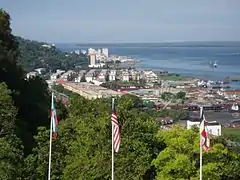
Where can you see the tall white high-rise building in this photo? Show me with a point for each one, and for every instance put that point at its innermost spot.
(92, 59)
(99, 52)
(91, 51)
(105, 51)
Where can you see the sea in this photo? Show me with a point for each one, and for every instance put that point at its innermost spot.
(188, 59)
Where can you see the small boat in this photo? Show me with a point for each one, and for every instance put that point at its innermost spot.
(214, 65)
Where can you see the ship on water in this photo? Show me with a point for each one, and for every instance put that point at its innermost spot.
(214, 65)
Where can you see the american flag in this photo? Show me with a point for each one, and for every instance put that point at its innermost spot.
(54, 119)
(116, 130)
(205, 141)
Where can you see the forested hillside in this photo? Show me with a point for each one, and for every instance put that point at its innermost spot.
(82, 150)
(35, 55)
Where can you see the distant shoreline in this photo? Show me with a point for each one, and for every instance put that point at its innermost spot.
(165, 44)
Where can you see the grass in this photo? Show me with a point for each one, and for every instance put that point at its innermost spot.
(175, 77)
(231, 131)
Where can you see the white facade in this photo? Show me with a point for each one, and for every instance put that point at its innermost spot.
(125, 76)
(91, 51)
(31, 74)
(40, 70)
(213, 129)
(98, 83)
(92, 59)
(78, 79)
(89, 78)
(102, 75)
(105, 52)
(112, 75)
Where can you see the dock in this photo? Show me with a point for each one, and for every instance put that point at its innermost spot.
(232, 79)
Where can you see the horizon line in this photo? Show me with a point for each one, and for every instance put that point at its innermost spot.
(148, 42)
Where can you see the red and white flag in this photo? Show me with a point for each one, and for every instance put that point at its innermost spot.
(116, 130)
(205, 141)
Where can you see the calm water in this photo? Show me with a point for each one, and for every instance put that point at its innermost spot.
(192, 61)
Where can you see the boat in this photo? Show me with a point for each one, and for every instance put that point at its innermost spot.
(214, 65)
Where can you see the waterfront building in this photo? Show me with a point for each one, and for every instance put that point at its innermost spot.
(91, 51)
(92, 59)
(105, 52)
(99, 52)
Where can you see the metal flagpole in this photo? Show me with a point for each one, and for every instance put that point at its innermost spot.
(112, 142)
(50, 145)
(200, 159)
(200, 140)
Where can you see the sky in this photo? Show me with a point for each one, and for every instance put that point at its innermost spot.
(87, 21)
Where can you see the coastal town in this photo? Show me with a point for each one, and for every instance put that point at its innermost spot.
(99, 81)
(96, 94)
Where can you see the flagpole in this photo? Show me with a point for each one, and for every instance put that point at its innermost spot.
(200, 145)
(50, 145)
(200, 159)
(112, 143)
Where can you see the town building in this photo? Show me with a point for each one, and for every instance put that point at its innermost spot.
(31, 74)
(125, 76)
(40, 70)
(90, 75)
(112, 75)
(91, 91)
(56, 75)
(150, 76)
(67, 76)
(102, 75)
(105, 52)
(92, 59)
(213, 128)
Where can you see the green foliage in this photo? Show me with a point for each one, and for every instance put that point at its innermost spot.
(60, 89)
(174, 77)
(30, 97)
(8, 111)
(180, 158)
(167, 96)
(93, 131)
(35, 96)
(11, 151)
(181, 95)
(11, 157)
(34, 55)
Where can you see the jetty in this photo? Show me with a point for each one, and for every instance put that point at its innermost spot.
(232, 79)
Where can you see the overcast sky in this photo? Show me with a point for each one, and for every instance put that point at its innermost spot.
(125, 20)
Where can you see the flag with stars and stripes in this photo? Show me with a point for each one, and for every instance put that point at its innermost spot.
(116, 130)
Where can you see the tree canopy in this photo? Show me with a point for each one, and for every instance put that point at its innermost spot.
(35, 55)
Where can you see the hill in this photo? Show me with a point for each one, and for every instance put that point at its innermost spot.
(36, 54)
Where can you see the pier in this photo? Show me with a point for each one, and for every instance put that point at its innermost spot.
(232, 79)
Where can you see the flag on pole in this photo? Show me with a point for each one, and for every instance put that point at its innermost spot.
(54, 119)
(116, 130)
(205, 141)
